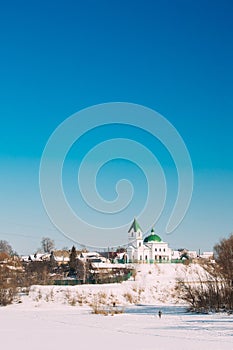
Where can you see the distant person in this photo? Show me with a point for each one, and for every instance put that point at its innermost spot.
(160, 313)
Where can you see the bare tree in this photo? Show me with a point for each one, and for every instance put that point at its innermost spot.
(47, 245)
(37, 272)
(212, 290)
(10, 278)
(223, 254)
(5, 247)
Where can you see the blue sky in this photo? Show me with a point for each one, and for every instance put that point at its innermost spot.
(58, 57)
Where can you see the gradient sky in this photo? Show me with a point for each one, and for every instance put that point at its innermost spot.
(58, 57)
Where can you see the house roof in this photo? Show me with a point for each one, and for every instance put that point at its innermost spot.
(90, 254)
(61, 253)
(135, 226)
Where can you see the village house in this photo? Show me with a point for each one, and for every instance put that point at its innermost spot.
(61, 257)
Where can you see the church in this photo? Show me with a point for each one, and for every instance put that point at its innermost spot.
(149, 250)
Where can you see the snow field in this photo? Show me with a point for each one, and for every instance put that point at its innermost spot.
(48, 318)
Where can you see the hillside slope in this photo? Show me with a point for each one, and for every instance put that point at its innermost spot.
(153, 284)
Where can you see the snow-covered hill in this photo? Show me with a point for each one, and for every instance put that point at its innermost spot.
(153, 284)
(51, 317)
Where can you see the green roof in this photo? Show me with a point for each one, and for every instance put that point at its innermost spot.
(135, 225)
(152, 238)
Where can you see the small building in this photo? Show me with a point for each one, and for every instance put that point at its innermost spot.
(61, 257)
(207, 255)
(184, 254)
(148, 250)
(93, 257)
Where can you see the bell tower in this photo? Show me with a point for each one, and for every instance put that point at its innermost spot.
(135, 234)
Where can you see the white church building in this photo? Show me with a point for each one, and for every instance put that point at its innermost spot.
(148, 250)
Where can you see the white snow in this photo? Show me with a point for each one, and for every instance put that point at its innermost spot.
(46, 320)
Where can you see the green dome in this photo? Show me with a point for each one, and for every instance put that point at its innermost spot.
(152, 238)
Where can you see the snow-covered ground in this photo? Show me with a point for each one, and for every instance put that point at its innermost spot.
(46, 320)
(154, 284)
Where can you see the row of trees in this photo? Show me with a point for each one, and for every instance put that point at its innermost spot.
(47, 246)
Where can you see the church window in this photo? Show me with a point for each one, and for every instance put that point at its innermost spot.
(164, 250)
(155, 249)
(140, 244)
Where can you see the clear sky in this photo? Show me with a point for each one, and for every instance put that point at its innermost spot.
(58, 57)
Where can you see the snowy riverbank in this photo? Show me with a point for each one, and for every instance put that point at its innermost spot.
(46, 319)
